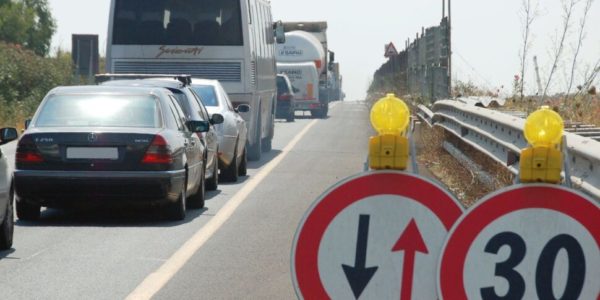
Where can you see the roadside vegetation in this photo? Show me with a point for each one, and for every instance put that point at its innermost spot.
(27, 72)
(25, 78)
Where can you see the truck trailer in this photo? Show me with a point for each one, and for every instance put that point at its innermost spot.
(302, 38)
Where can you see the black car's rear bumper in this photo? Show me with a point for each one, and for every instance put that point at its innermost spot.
(74, 188)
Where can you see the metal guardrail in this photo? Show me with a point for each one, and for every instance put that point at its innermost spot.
(483, 101)
(500, 137)
(425, 115)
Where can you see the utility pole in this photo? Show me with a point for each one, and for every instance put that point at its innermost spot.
(443, 9)
(537, 75)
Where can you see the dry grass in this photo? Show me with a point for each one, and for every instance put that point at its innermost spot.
(583, 108)
(463, 183)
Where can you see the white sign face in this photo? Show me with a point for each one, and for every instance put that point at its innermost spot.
(528, 242)
(515, 229)
(389, 217)
(375, 236)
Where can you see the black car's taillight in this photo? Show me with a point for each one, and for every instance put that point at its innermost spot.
(158, 152)
(27, 151)
(285, 97)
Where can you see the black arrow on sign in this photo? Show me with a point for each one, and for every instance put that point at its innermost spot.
(359, 275)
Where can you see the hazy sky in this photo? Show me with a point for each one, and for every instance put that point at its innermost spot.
(486, 34)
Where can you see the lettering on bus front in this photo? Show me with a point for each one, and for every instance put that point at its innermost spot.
(176, 50)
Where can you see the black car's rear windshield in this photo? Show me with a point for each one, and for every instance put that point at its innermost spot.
(99, 111)
(282, 85)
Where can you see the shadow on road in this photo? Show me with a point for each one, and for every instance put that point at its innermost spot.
(109, 217)
(4, 254)
(266, 157)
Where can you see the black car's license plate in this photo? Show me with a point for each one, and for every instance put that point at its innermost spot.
(111, 153)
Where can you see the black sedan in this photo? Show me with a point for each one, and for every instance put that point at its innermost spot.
(110, 145)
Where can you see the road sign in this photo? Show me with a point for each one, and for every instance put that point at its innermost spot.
(390, 50)
(524, 242)
(377, 235)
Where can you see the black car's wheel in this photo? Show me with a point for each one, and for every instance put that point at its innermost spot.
(243, 168)
(230, 174)
(176, 211)
(213, 182)
(196, 201)
(26, 211)
(324, 112)
(255, 150)
(291, 117)
(8, 226)
(315, 113)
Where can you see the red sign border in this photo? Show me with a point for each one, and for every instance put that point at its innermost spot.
(494, 206)
(305, 249)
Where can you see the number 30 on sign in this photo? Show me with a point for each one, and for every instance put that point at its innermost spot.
(525, 242)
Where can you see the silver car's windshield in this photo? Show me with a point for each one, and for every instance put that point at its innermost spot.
(99, 110)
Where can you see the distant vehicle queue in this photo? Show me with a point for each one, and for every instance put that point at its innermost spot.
(147, 135)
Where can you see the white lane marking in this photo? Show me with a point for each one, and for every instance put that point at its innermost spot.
(157, 280)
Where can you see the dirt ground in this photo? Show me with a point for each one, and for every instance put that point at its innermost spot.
(463, 183)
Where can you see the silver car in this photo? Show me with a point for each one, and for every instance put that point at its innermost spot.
(7, 223)
(232, 133)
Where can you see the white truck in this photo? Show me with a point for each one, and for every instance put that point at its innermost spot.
(307, 42)
(305, 81)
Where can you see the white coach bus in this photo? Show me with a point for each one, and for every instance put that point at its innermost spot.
(228, 40)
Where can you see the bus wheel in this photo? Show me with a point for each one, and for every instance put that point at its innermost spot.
(255, 150)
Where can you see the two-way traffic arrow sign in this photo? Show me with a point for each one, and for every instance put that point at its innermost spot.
(410, 242)
(397, 213)
(359, 275)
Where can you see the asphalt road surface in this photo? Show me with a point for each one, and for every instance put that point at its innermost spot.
(238, 247)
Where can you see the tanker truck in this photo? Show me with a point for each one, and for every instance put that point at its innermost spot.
(300, 58)
(307, 42)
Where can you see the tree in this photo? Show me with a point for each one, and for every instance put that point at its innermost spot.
(568, 7)
(28, 23)
(529, 13)
(39, 36)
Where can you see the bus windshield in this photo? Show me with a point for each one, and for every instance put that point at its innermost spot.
(178, 22)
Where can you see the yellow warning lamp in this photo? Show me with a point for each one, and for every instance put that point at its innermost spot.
(390, 116)
(542, 162)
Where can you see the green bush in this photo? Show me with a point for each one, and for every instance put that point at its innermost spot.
(25, 78)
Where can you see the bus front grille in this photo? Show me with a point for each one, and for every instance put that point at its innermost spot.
(222, 71)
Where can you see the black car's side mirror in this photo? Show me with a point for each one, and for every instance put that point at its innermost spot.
(8, 134)
(217, 119)
(198, 126)
(243, 108)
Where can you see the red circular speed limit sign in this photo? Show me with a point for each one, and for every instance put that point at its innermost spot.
(524, 242)
(376, 235)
